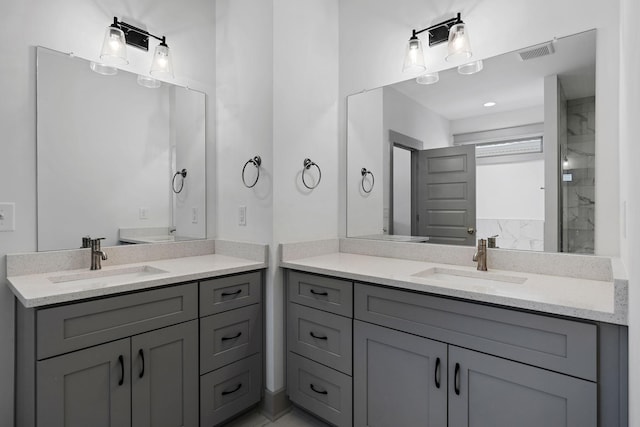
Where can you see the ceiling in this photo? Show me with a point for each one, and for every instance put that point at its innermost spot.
(510, 82)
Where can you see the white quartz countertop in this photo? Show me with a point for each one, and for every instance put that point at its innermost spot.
(581, 298)
(36, 290)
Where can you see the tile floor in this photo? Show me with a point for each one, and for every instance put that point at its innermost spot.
(295, 418)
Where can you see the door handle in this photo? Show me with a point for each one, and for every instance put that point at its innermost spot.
(456, 380)
(436, 374)
(471, 230)
(121, 361)
(141, 354)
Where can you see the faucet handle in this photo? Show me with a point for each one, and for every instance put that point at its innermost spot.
(86, 241)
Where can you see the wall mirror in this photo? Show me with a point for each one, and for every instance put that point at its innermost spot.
(508, 152)
(110, 157)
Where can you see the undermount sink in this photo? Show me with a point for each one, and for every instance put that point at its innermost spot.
(465, 277)
(103, 277)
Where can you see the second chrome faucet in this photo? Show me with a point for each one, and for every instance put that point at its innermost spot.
(481, 255)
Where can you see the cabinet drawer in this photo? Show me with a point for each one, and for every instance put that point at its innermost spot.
(74, 326)
(321, 390)
(321, 336)
(230, 336)
(556, 344)
(226, 293)
(324, 293)
(230, 390)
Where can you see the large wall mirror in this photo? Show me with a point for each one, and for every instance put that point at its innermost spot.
(111, 155)
(507, 152)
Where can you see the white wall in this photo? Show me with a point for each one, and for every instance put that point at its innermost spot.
(78, 26)
(630, 177)
(367, 149)
(501, 120)
(374, 33)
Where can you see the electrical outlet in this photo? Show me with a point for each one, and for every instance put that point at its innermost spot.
(7, 216)
(194, 215)
(143, 213)
(242, 215)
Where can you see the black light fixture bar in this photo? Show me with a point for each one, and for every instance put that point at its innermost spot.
(439, 33)
(135, 36)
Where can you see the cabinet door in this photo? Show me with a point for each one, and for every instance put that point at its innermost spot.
(398, 379)
(489, 391)
(86, 388)
(164, 377)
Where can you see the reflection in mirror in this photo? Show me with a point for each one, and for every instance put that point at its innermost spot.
(508, 152)
(107, 156)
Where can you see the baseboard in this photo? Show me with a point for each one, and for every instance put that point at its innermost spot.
(275, 404)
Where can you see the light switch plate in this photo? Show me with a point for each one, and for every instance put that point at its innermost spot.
(7, 216)
(242, 215)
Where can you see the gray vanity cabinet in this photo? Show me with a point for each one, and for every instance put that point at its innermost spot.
(231, 341)
(490, 391)
(399, 379)
(90, 387)
(319, 344)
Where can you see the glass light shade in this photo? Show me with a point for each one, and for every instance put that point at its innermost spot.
(161, 65)
(147, 81)
(459, 46)
(414, 56)
(471, 67)
(105, 70)
(428, 78)
(114, 51)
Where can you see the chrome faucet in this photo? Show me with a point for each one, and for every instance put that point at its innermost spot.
(97, 254)
(481, 255)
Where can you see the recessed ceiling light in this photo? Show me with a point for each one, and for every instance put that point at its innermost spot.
(489, 104)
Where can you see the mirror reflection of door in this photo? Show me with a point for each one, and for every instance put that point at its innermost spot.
(446, 195)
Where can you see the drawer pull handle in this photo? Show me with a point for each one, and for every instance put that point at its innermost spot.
(323, 293)
(318, 391)
(437, 373)
(121, 361)
(233, 337)
(141, 354)
(456, 381)
(228, 294)
(238, 387)
(317, 336)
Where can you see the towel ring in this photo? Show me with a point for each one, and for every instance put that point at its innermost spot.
(256, 161)
(307, 165)
(182, 173)
(364, 173)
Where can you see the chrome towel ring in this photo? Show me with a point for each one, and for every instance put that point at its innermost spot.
(306, 166)
(256, 161)
(364, 173)
(183, 174)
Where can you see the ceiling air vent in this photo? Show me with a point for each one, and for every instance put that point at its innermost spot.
(536, 51)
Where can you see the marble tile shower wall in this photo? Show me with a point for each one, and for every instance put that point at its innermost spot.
(579, 192)
(526, 234)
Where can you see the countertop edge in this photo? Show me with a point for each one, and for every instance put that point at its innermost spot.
(618, 317)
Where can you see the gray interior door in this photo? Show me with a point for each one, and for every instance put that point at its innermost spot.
(489, 391)
(446, 195)
(399, 379)
(86, 388)
(164, 377)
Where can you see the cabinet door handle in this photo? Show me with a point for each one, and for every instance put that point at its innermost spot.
(323, 293)
(238, 387)
(141, 354)
(228, 294)
(233, 337)
(318, 337)
(318, 391)
(121, 361)
(456, 380)
(437, 373)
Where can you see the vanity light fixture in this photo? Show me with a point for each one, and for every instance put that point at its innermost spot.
(148, 82)
(114, 50)
(428, 78)
(452, 31)
(489, 104)
(470, 67)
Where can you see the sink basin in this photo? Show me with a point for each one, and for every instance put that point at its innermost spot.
(465, 277)
(104, 277)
